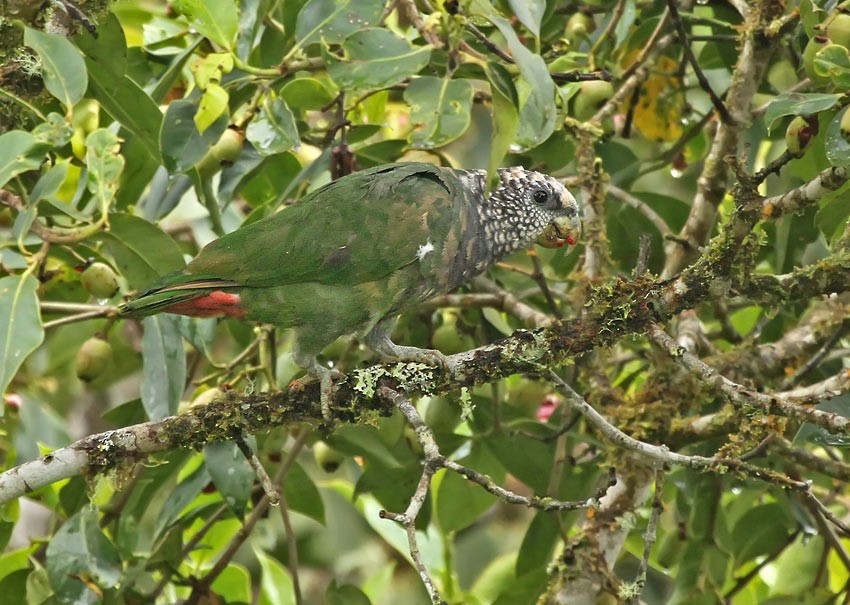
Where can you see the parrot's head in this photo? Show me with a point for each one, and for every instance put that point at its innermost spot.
(546, 213)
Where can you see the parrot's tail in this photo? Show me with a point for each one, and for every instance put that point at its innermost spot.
(191, 295)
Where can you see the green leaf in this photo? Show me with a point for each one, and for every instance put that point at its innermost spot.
(164, 368)
(182, 145)
(538, 544)
(217, 20)
(140, 250)
(274, 130)
(276, 586)
(836, 145)
(306, 93)
(235, 582)
(833, 213)
(55, 132)
(231, 473)
(440, 110)
(345, 595)
(536, 91)
(533, 467)
(529, 13)
(105, 165)
(62, 66)
(760, 532)
(459, 502)
(374, 58)
(798, 104)
(302, 495)
(80, 550)
(505, 115)
(213, 106)
(20, 323)
(19, 152)
(833, 61)
(335, 20)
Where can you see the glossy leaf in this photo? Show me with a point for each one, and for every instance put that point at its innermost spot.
(141, 251)
(537, 95)
(374, 58)
(62, 66)
(274, 130)
(276, 586)
(459, 502)
(529, 13)
(302, 495)
(182, 145)
(164, 375)
(306, 93)
(217, 20)
(334, 20)
(439, 109)
(833, 62)
(837, 143)
(19, 152)
(20, 324)
(79, 551)
(231, 473)
(798, 104)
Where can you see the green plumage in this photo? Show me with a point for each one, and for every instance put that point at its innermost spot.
(348, 257)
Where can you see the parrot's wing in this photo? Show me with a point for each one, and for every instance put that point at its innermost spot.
(359, 229)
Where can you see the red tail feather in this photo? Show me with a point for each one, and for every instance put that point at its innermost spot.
(215, 304)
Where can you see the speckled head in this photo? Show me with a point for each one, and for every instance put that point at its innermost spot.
(534, 207)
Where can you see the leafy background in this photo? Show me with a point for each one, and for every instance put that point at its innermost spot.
(135, 133)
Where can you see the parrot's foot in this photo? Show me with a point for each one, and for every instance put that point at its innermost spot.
(379, 341)
(326, 377)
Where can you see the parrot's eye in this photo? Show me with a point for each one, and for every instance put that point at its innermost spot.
(540, 196)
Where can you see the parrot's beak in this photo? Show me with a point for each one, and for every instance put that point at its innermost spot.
(562, 231)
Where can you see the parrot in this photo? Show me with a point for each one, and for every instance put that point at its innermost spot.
(350, 256)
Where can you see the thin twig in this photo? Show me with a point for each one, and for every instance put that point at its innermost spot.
(724, 114)
(269, 489)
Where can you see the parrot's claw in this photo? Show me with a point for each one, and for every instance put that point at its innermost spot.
(326, 377)
(379, 341)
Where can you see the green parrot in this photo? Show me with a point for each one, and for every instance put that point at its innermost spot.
(350, 256)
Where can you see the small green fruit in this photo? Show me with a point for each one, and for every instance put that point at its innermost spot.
(838, 29)
(99, 280)
(591, 96)
(92, 358)
(579, 25)
(448, 340)
(328, 459)
(800, 131)
(442, 414)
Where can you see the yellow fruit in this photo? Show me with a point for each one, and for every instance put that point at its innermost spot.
(99, 280)
(92, 358)
(328, 459)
